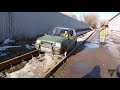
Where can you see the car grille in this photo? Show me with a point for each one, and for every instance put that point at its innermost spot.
(46, 47)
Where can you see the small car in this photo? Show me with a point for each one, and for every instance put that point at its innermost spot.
(55, 42)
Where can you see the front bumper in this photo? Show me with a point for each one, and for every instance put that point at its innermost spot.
(49, 49)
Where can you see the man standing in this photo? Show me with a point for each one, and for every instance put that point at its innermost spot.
(106, 31)
(103, 34)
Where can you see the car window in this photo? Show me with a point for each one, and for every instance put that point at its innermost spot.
(54, 31)
(57, 31)
(71, 32)
(63, 30)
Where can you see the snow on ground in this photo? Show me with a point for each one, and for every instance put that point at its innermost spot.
(7, 41)
(33, 44)
(86, 36)
(6, 47)
(113, 43)
(79, 39)
(29, 47)
(2, 54)
(35, 68)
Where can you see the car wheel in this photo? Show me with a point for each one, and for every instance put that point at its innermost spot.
(64, 51)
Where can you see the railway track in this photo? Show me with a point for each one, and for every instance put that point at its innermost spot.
(19, 59)
(26, 57)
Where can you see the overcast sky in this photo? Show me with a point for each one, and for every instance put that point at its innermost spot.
(102, 15)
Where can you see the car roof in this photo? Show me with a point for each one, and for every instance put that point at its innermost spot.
(64, 28)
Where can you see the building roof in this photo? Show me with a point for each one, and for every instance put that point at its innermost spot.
(114, 16)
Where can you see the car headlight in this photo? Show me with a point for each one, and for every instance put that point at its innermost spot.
(58, 45)
(38, 41)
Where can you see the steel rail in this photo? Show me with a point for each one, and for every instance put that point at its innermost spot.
(19, 59)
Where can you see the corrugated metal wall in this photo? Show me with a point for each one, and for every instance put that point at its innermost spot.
(31, 24)
(4, 25)
(114, 24)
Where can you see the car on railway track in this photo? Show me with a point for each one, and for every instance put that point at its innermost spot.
(55, 42)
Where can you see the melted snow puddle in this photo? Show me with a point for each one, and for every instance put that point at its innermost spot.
(91, 45)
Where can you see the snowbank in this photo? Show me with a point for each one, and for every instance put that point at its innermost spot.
(35, 68)
(2, 54)
(33, 44)
(85, 37)
(79, 40)
(29, 47)
(7, 41)
(6, 47)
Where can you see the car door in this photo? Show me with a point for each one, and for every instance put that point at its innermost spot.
(72, 37)
(67, 43)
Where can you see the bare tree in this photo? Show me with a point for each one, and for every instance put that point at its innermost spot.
(92, 20)
(81, 17)
(103, 22)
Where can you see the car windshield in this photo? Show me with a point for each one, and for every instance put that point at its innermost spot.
(55, 32)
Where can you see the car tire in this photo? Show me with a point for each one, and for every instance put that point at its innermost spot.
(64, 52)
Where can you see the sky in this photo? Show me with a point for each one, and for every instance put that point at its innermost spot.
(102, 15)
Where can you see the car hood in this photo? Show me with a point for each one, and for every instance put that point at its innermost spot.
(52, 39)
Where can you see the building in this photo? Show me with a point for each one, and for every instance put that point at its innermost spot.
(16, 25)
(114, 23)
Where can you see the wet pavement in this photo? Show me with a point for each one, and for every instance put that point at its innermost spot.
(90, 60)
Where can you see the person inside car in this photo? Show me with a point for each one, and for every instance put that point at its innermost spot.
(65, 34)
